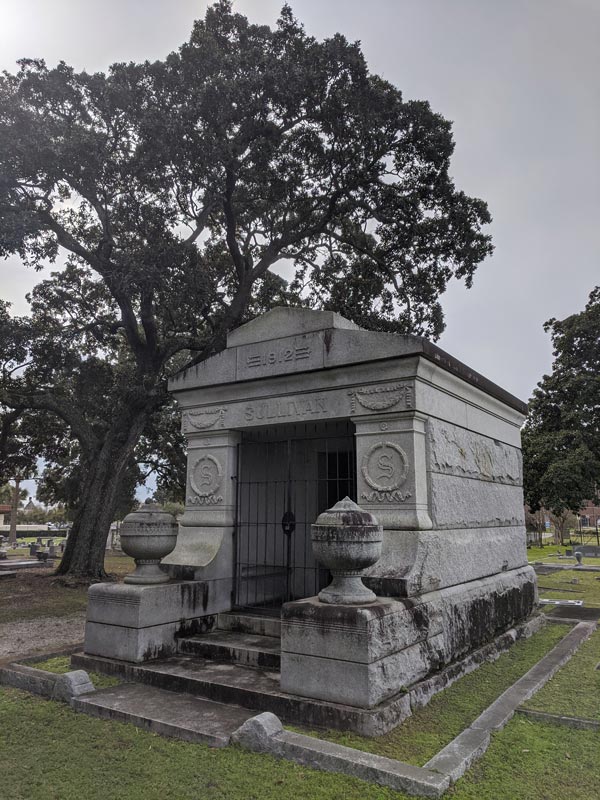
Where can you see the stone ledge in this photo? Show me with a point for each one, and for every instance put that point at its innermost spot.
(456, 758)
(578, 723)
(265, 734)
(63, 687)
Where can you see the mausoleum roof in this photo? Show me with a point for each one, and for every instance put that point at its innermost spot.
(288, 341)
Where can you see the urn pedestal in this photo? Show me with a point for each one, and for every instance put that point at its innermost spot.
(346, 540)
(148, 535)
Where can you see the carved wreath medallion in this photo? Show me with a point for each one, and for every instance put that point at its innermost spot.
(206, 476)
(385, 466)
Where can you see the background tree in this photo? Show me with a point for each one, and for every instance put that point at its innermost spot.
(17, 458)
(173, 189)
(561, 438)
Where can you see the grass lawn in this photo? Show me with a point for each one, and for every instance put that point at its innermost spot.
(48, 752)
(421, 736)
(571, 584)
(575, 689)
(34, 593)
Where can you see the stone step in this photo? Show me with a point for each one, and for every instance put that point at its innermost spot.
(249, 623)
(250, 688)
(179, 716)
(249, 649)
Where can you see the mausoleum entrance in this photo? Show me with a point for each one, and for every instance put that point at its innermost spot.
(286, 476)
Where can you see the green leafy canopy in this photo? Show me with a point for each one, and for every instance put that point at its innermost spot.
(561, 438)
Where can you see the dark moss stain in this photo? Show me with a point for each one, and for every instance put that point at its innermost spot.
(181, 573)
(197, 626)
(155, 652)
(194, 594)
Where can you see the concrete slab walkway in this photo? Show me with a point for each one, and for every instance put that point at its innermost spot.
(180, 716)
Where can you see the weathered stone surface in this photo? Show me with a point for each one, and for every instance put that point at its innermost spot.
(392, 470)
(346, 540)
(72, 684)
(137, 623)
(359, 684)
(463, 453)
(361, 656)
(30, 679)
(456, 758)
(264, 733)
(282, 321)
(414, 562)
(463, 503)
(256, 733)
(362, 635)
(47, 684)
(133, 606)
(421, 693)
(148, 534)
(170, 714)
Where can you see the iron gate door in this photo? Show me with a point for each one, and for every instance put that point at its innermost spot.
(287, 475)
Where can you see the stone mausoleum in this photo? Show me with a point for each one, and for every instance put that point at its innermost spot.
(301, 410)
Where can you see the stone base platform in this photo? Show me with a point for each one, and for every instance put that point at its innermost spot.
(364, 655)
(259, 689)
(178, 716)
(137, 623)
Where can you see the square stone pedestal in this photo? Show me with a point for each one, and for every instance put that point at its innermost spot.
(357, 655)
(138, 623)
(363, 655)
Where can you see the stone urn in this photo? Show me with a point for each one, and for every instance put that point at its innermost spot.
(148, 535)
(346, 539)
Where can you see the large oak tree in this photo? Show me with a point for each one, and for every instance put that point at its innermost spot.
(168, 192)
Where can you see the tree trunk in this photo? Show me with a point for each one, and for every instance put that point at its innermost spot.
(14, 509)
(83, 558)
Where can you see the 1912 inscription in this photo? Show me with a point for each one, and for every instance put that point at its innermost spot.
(271, 357)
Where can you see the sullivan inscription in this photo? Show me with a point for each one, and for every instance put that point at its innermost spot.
(276, 409)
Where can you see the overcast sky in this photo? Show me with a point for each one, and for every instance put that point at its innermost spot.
(518, 78)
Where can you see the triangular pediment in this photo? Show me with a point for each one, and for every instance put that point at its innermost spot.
(283, 321)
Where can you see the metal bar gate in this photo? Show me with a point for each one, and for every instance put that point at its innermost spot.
(287, 475)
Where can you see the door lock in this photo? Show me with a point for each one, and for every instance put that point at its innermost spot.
(288, 523)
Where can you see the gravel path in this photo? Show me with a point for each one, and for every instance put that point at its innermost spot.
(42, 635)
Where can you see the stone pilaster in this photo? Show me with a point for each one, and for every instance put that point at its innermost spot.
(205, 543)
(392, 473)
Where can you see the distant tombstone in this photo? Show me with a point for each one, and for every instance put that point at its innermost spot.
(1, 540)
(3, 554)
(62, 547)
(39, 541)
(33, 548)
(578, 557)
(569, 551)
(49, 542)
(52, 551)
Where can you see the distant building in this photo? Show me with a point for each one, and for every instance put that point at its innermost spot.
(589, 515)
(4, 514)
